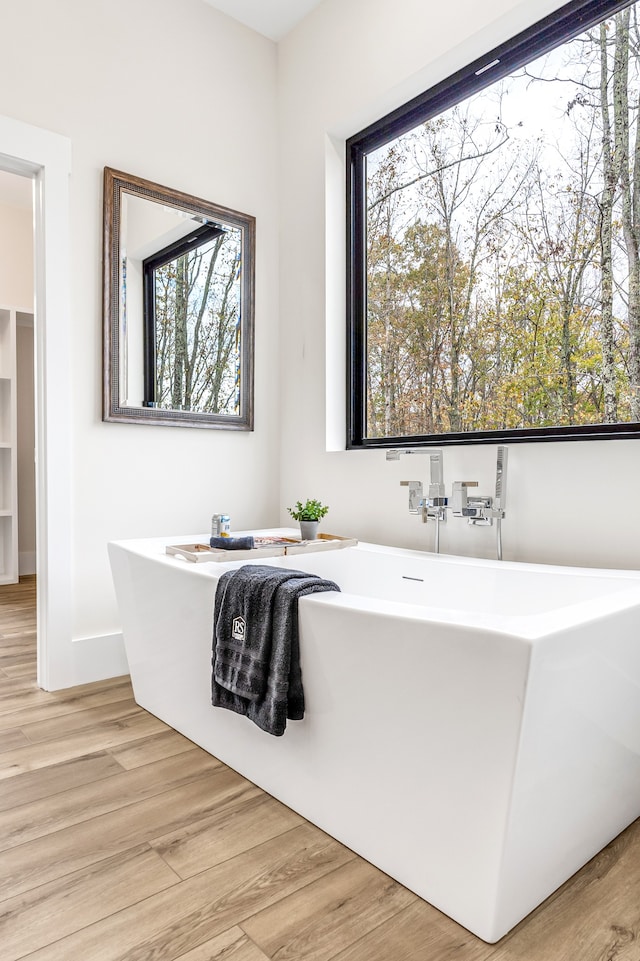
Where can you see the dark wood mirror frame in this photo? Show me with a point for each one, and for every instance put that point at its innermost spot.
(117, 184)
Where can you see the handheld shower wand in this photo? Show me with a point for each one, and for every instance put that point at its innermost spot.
(500, 498)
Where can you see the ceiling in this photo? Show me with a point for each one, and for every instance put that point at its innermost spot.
(273, 18)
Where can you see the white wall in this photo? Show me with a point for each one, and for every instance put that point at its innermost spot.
(346, 65)
(173, 91)
(16, 254)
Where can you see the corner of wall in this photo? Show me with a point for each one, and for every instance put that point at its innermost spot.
(335, 284)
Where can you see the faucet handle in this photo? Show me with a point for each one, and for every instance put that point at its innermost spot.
(459, 496)
(415, 495)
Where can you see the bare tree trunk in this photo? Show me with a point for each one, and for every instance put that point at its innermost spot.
(388, 383)
(194, 355)
(456, 323)
(629, 171)
(634, 304)
(606, 241)
(225, 343)
(389, 347)
(568, 363)
(383, 416)
(182, 300)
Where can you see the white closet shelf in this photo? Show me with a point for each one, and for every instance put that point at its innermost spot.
(9, 564)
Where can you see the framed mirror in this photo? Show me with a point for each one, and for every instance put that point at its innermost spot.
(178, 308)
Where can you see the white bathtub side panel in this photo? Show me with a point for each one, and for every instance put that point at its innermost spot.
(408, 748)
(420, 730)
(166, 612)
(578, 777)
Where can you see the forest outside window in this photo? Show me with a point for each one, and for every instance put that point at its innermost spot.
(494, 245)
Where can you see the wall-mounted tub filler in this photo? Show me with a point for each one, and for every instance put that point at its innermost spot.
(433, 506)
(479, 509)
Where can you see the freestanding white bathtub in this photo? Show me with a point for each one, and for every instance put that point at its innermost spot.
(472, 728)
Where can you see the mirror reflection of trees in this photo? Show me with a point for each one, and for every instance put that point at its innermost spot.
(503, 246)
(197, 328)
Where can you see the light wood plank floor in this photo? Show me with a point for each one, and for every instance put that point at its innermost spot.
(120, 840)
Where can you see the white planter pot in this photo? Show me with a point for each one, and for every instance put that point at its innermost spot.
(309, 530)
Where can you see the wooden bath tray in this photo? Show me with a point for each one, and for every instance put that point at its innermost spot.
(265, 547)
(202, 552)
(323, 542)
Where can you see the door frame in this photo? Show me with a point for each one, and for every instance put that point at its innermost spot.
(46, 158)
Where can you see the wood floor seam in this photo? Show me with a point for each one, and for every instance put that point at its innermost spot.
(229, 859)
(11, 817)
(59, 880)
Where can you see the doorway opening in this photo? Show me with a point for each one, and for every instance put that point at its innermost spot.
(17, 429)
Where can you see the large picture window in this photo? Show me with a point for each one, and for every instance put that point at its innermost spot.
(494, 245)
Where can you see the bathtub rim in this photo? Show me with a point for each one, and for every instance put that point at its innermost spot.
(530, 627)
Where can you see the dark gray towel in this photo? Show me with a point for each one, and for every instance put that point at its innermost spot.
(232, 543)
(256, 656)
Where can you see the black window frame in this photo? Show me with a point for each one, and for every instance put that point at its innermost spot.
(566, 23)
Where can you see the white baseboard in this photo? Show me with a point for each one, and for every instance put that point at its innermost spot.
(98, 658)
(27, 562)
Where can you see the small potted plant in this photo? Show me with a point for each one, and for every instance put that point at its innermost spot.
(309, 516)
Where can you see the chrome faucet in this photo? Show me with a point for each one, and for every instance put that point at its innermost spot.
(482, 509)
(437, 498)
(416, 493)
(434, 506)
(475, 508)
